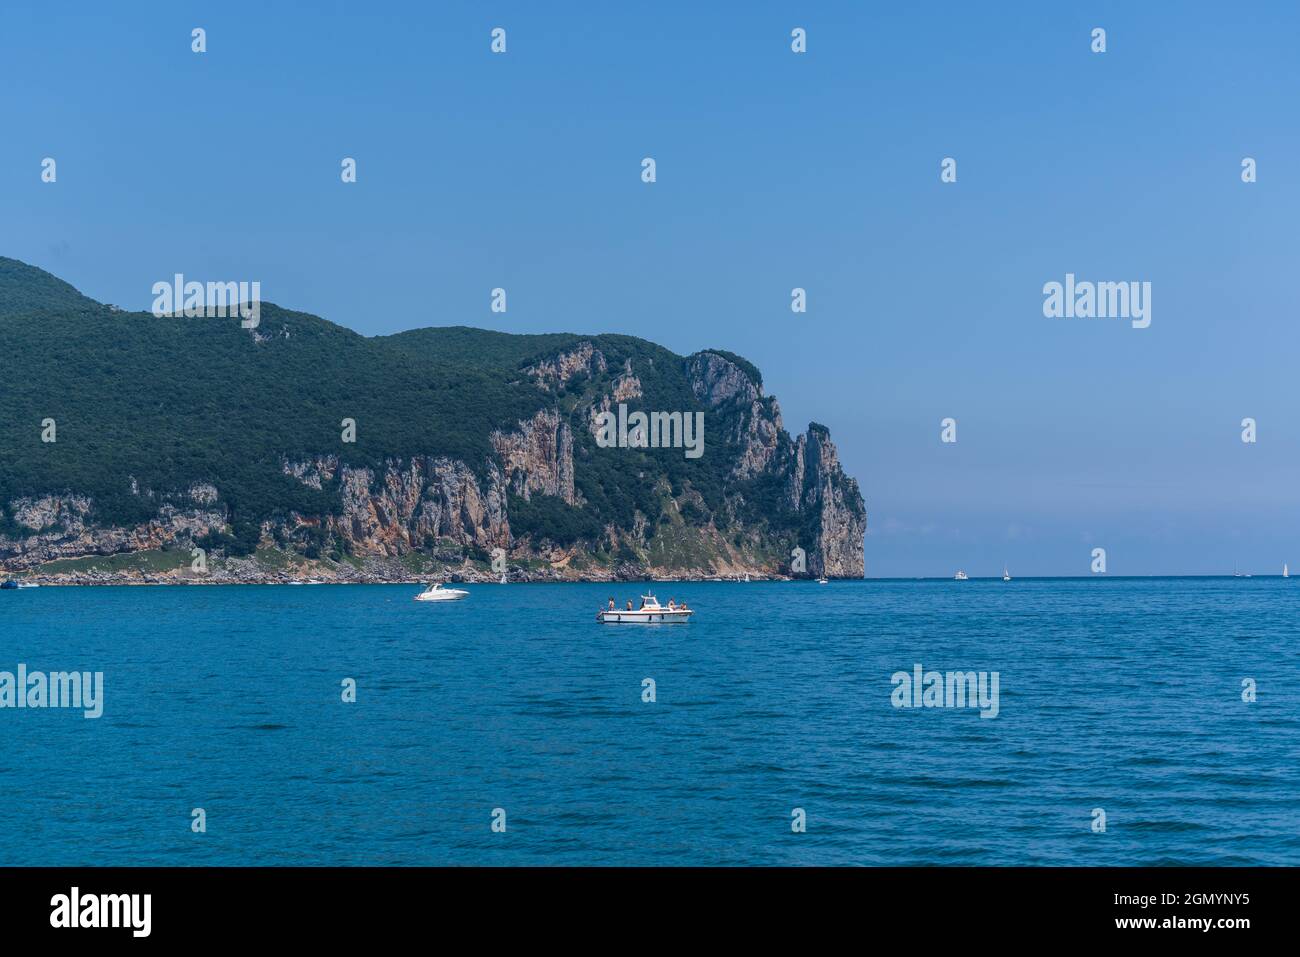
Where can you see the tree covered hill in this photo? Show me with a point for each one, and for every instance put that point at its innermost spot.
(143, 408)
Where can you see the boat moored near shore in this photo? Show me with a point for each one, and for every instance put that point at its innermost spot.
(438, 593)
(650, 613)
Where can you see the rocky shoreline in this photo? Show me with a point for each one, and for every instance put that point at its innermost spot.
(359, 578)
(275, 567)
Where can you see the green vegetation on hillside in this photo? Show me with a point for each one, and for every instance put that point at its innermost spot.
(145, 408)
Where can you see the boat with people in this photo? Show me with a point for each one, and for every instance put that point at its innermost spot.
(436, 592)
(650, 613)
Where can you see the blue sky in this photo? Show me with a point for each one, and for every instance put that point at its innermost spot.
(775, 170)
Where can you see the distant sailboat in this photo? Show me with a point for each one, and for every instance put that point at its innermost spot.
(1285, 573)
(960, 576)
(1006, 575)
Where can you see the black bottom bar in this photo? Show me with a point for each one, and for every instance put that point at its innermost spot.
(336, 905)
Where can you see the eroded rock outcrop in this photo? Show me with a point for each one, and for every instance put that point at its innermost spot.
(809, 464)
(555, 372)
(538, 456)
(820, 487)
(58, 527)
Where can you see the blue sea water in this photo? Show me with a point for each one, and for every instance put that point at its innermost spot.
(1120, 694)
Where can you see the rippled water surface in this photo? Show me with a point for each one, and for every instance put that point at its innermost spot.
(1120, 694)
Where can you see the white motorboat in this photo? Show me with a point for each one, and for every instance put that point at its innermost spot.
(960, 576)
(822, 581)
(650, 613)
(438, 593)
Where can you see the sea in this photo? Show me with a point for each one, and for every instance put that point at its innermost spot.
(1139, 721)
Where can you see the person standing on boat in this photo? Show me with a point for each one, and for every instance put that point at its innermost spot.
(611, 604)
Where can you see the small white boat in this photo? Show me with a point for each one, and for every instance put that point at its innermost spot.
(1285, 572)
(1006, 575)
(650, 613)
(438, 593)
(960, 576)
(822, 581)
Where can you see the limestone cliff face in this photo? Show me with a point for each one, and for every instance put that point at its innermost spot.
(410, 503)
(453, 512)
(555, 372)
(60, 528)
(819, 486)
(808, 466)
(538, 457)
(715, 379)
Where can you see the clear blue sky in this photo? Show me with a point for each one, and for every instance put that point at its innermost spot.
(774, 171)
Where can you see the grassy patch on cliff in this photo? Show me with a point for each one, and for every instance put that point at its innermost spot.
(154, 561)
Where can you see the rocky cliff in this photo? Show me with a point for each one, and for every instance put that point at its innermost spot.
(502, 471)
